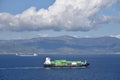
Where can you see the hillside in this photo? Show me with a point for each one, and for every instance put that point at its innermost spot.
(61, 44)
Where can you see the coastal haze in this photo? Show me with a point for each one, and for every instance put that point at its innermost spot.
(61, 44)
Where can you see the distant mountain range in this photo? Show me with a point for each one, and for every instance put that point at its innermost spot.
(61, 44)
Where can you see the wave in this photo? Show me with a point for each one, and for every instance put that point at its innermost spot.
(27, 68)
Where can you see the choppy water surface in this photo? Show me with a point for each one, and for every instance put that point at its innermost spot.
(102, 67)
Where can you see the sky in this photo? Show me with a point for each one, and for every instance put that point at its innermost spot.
(25, 19)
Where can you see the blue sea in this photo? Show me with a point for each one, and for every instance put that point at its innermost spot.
(102, 67)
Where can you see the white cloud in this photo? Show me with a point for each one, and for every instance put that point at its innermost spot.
(69, 15)
(116, 36)
(43, 35)
(78, 36)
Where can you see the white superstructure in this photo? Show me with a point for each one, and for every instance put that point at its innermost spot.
(47, 61)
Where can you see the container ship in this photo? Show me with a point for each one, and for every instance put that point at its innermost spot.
(64, 63)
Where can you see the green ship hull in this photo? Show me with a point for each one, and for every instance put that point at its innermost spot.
(64, 63)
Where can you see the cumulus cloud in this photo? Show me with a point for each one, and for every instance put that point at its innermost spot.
(43, 35)
(69, 15)
(116, 36)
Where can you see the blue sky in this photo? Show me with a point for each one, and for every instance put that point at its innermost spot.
(101, 21)
(18, 6)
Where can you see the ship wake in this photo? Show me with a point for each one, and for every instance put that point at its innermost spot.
(18, 68)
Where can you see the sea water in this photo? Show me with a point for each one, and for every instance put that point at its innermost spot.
(102, 67)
